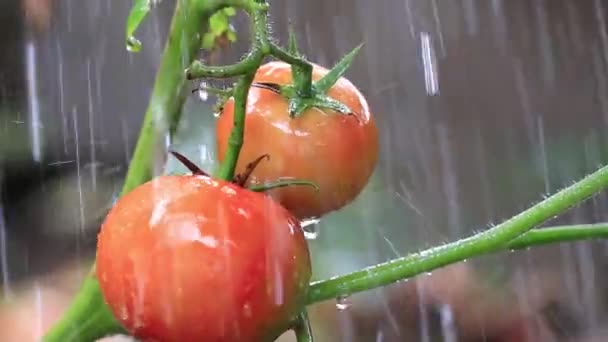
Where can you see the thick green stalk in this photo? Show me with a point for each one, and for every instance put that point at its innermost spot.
(488, 241)
(88, 317)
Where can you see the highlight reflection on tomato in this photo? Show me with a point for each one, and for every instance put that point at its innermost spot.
(338, 152)
(191, 258)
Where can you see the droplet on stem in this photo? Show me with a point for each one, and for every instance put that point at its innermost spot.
(343, 303)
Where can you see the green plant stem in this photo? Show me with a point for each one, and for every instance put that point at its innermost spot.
(282, 184)
(88, 317)
(250, 63)
(485, 242)
(199, 70)
(550, 235)
(302, 70)
(302, 328)
(235, 141)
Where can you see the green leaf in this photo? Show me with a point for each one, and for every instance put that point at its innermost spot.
(231, 35)
(230, 11)
(324, 84)
(218, 23)
(208, 41)
(140, 9)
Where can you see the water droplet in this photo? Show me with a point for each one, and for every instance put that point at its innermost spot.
(311, 228)
(343, 303)
(133, 44)
(202, 93)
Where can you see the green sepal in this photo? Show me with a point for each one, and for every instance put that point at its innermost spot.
(282, 184)
(325, 83)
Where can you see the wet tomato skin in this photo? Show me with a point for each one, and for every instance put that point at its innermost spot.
(190, 258)
(338, 152)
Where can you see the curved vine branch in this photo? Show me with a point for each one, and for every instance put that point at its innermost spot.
(488, 241)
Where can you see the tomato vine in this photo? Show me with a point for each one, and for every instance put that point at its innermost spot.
(88, 318)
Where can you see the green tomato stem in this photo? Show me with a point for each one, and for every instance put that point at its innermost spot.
(491, 240)
(301, 71)
(251, 62)
(302, 328)
(235, 141)
(545, 236)
(282, 184)
(199, 70)
(88, 318)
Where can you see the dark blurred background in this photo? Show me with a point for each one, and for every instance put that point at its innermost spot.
(484, 107)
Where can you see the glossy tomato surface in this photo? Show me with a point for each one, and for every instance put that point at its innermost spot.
(190, 258)
(338, 152)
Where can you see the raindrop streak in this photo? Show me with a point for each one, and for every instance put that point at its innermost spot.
(450, 180)
(64, 119)
(410, 18)
(34, 104)
(448, 328)
(310, 228)
(91, 129)
(601, 19)
(438, 28)
(202, 93)
(39, 312)
(543, 153)
(545, 43)
(4, 256)
(78, 175)
(125, 139)
(471, 17)
(422, 314)
(429, 62)
(343, 303)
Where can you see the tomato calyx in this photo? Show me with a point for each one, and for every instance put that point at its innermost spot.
(242, 178)
(298, 104)
(300, 101)
(197, 171)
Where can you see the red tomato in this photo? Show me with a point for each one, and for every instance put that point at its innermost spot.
(190, 258)
(338, 152)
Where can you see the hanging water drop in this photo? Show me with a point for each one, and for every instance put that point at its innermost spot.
(202, 91)
(311, 228)
(343, 303)
(133, 44)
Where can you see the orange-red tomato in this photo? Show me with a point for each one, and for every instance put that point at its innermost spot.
(191, 258)
(338, 152)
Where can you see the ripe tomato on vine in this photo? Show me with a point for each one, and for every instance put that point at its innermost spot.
(192, 258)
(334, 150)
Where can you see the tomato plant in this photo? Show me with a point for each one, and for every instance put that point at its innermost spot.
(191, 258)
(337, 152)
